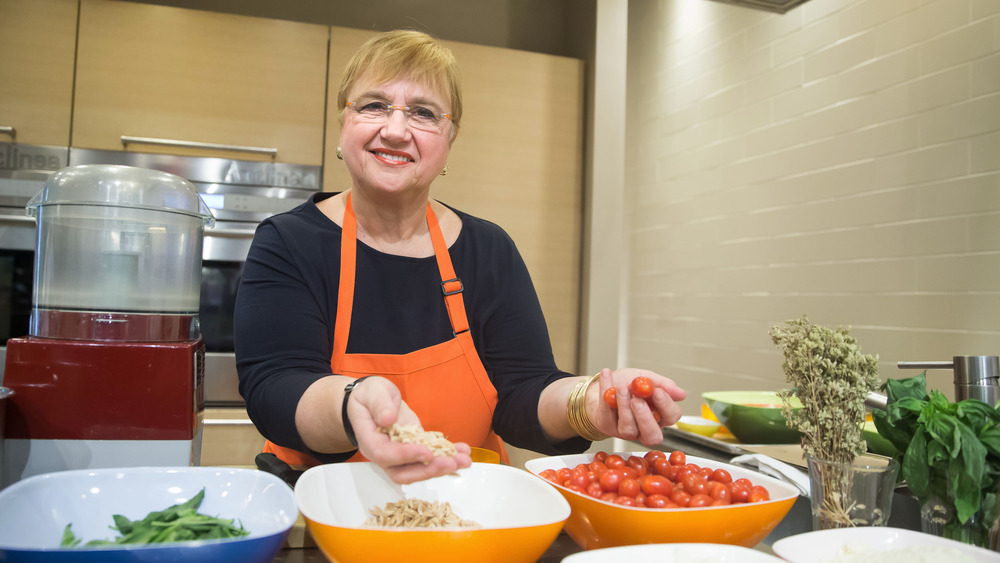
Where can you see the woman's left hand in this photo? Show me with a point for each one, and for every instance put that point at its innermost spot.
(633, 419)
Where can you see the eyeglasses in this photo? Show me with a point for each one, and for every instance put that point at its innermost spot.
(418, 117)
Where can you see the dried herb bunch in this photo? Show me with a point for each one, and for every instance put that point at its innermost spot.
(831, 378)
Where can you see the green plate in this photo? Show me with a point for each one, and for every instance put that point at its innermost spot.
(753, 417)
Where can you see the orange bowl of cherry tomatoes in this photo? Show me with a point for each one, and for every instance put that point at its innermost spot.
(627, 498)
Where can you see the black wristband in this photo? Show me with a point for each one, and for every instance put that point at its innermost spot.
(348, 429)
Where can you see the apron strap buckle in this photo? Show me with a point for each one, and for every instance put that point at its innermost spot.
(453, 290)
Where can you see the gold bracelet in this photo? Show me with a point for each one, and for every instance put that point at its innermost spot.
(576, 411)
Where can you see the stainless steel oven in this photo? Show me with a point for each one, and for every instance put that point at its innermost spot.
(23, 171)
(240, 193)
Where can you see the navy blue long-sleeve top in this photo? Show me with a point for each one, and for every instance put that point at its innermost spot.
(286, 308)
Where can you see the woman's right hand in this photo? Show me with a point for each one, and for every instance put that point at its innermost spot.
(376, 403)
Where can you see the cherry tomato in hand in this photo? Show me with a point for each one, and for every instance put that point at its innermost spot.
(611, 397)
(641, 387)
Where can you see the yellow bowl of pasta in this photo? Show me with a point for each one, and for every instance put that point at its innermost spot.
(484, 513)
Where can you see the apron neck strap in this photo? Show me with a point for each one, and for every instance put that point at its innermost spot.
(451, 286)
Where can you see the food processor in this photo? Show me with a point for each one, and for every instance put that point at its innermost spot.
(111, 372)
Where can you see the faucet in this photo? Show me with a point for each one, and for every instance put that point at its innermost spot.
(976, 377)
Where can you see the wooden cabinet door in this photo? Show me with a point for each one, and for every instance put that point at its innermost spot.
(517, 161)
(171, 73)
(37, 42)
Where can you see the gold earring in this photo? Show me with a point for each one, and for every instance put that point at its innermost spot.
(340, 155)
(445, 171)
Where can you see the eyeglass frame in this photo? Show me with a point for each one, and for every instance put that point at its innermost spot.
(353, 104)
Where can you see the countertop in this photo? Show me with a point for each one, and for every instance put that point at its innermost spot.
(560, 548)
(905, 511)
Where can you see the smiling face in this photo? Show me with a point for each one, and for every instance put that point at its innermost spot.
(392, 155)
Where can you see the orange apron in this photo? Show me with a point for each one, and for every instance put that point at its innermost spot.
(446, 384)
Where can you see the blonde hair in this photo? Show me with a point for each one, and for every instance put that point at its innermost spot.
(408, 53)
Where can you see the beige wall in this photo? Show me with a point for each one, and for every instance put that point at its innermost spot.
(841, 161)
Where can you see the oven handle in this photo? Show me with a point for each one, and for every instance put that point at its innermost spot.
(126, 139)
(17, 219)
(243, 233)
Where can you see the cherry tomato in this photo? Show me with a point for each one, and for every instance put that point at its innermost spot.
(720, 492)
(700, 499)
(758, 494)
(577, 489)
(611, 397)
(721, 476)
(629, 488)
(597, 468)
(652, 455)
(640, 464)
(656, 485)
(625, 501)
(705, 472)
(609, 496)
(663, 467)
(680, 497)
(640, 499)
(610, 480)
(657, 501)
(680, 472)
(614, 461)
(630, 472)
(563, 474)
(677, 457)
(580, 480)
(695, 484)
(641, 387)
(595, 490)
(744, 481)
(739, 492)
(601, 456)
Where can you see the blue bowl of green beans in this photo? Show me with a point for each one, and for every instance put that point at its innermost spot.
(146, 515)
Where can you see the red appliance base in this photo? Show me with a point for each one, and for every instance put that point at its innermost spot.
(81, 390)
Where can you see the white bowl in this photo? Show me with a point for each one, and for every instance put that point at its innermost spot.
(520, 515)
(825, 545)
(670, 552)
(35, 512)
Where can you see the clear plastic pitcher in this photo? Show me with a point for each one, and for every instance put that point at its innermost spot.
(118, 255)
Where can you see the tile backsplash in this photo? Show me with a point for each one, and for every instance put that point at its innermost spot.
(841, 160)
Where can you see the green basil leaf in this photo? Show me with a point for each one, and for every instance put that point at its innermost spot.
(915, 468)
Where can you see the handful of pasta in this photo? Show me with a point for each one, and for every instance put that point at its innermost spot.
(413, 434)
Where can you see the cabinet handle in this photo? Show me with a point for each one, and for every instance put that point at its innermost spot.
(227, 422)
(126, 139)
(8, 129)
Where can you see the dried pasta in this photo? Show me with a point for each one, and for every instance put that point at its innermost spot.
(416, 513)
(413, 434)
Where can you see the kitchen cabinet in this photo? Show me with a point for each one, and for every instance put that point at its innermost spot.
(229, 438)
(517, 161)
(158, 72)
(38, 42)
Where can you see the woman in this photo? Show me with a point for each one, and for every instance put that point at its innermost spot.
(433, 305)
